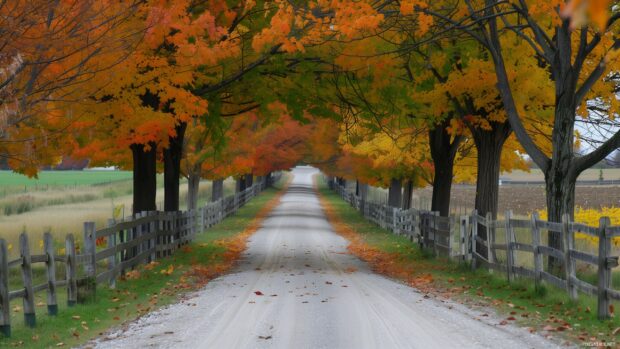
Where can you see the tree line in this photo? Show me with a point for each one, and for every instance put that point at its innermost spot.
(389, 93)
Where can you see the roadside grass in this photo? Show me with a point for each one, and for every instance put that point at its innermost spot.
(147, 288)
(548, 311)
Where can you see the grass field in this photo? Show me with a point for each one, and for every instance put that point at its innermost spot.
(9, 179)
(63, 200)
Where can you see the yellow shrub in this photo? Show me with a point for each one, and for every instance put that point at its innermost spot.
(590, 216)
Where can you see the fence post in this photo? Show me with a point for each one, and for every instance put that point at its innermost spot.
(24, 249)
(604, 273)
(112, 258)
(86, 287)
(538, 258)
(474, 239)
(159, 237)
(236, 202)
(463, 238)
(569, 262)
(71, 271)
(490, 239)
(395, 223)
(434, 229)
(451, 234)
(509, 251)
(52, 305)
(202, 220)
(153, 229)
(222, 210)
(138, 232)
(5, 311)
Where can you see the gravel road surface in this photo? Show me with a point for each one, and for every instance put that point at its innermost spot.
(296, 287)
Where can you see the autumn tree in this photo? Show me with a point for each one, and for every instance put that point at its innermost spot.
(580, 62)
(54, 54)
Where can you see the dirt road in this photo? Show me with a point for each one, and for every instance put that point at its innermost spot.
(296, 287)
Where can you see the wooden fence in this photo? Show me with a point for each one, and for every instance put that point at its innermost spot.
(136, 240)
(495, 245)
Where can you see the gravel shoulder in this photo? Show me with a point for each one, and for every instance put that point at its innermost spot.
(297, 287)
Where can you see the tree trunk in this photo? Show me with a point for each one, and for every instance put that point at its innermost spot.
(240, 184)
(363, 194)
(144, 177)
(217, 189)
(443, 152)
(489, 144)
(395, 195)
(193, 184)
(560, 175)
(407, 194)
(249, 180)
(442, 186)
(172, 168)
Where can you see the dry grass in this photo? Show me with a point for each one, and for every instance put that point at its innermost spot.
(50, 214)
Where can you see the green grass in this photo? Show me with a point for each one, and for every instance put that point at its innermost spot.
(62, 178)
(131, 298)
(548, 306)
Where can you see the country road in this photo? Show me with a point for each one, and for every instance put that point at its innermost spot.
(296, 287)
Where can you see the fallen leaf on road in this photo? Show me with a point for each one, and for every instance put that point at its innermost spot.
(258, 293)
(328, 283)
(264, 337)
(273, 295)
(503, 322)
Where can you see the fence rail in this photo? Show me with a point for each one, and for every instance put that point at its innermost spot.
(141, 239)
(474, 239)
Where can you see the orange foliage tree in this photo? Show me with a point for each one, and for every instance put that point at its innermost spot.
(54, 54)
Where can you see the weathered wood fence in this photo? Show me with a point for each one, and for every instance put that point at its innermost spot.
(495, 245)
(136, 240)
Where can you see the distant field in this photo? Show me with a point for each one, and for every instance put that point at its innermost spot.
(61, 201)
(537, 175)
(62, 178)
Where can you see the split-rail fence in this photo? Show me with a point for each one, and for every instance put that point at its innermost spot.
(516, 247)
(136, 240)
